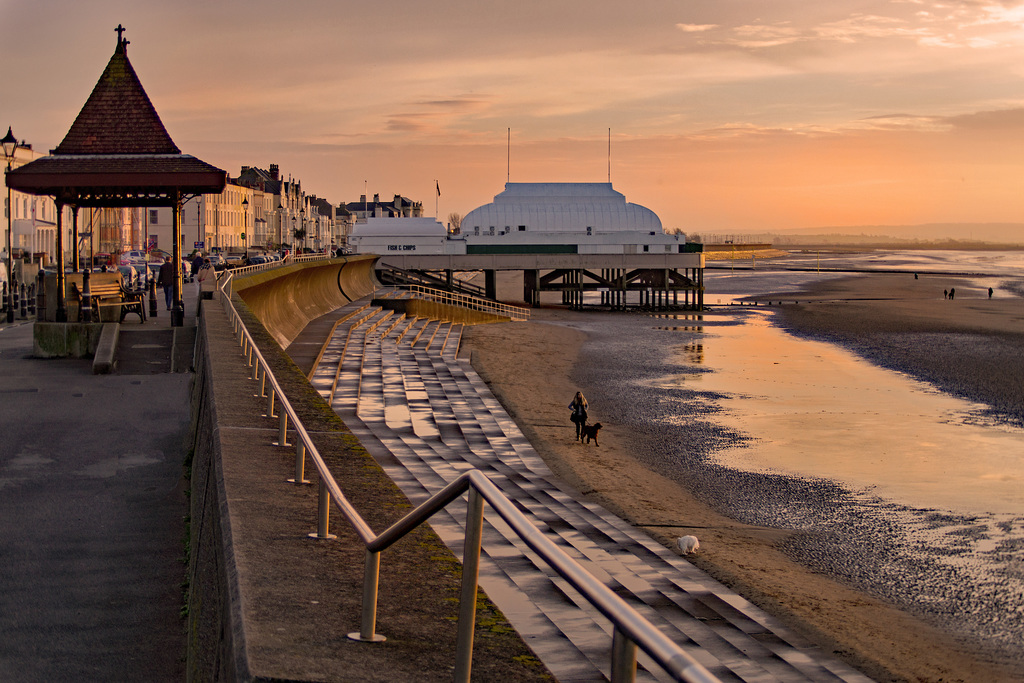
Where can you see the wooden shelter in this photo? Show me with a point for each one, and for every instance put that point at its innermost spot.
(117, 154)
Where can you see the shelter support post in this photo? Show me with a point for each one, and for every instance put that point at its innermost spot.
(75, 263)
(178, 311)
(62, 311)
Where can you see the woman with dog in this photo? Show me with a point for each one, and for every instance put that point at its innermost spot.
(578, 406)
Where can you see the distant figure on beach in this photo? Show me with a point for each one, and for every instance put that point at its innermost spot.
(952, 292)
(989, 292)
(915, 276)
(578, 406)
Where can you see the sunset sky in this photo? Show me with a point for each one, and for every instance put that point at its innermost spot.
(725, 115)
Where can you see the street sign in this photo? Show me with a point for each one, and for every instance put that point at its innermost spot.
(200, 245)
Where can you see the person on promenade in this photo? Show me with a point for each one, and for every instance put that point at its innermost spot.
(166, 280)
(578, 406)
(952, 293)
(205, 271)
(989, 292)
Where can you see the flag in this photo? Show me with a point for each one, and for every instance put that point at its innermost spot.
(438, 188)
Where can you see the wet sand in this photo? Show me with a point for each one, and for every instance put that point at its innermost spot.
(530, 366)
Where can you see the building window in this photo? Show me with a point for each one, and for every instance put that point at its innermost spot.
(476, 229)
(646, 248)
(590, 230)
(522, 228)
(492, 230)
(154, 215)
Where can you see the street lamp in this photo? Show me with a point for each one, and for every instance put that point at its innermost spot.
(280, 227)
(10, 144)
(245, 224)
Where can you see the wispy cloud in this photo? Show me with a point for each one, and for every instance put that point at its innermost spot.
(695, 28)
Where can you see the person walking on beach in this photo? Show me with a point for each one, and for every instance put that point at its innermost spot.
(952, 293)
(989, 292)
(578, 406)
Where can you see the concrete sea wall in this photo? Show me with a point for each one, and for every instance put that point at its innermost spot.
(286, 299)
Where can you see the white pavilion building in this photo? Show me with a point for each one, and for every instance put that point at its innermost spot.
(530, 218)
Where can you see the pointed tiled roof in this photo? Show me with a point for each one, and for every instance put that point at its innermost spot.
(117, 152)
(118, 117)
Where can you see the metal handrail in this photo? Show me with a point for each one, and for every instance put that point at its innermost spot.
(630, 629)
(475, 303)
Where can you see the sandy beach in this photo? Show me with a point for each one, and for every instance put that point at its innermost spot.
(533, 368)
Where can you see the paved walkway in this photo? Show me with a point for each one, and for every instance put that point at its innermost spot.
(92, 509)
(426, 416)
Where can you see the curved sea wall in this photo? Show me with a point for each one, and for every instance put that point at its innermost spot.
(286, 299)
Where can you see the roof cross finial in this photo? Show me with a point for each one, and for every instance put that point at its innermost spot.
(122, 43)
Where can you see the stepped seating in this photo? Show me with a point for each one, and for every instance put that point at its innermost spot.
(427, 417)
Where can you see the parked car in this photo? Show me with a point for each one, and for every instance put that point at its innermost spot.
(129, 277)
(134, 257)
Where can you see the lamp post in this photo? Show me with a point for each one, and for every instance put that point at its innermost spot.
(302, 212)
(10, 144)
(245, 225)
(280, 227)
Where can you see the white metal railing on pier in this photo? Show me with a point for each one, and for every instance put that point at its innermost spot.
(630, 629)
(473, 303)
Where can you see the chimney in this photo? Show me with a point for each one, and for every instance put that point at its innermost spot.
(376, 198)
(244, 169)
(362, 198)
(275, 172)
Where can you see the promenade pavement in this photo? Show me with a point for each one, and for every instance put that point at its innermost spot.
(92, 507)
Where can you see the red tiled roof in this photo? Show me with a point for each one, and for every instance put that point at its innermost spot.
(118, 117)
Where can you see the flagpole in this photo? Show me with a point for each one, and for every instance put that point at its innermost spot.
(437, 186)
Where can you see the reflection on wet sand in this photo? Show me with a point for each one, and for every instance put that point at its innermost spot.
(817, 410)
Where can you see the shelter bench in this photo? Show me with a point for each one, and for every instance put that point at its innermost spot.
(107, 294)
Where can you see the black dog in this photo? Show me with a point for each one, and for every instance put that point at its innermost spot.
(590, 432)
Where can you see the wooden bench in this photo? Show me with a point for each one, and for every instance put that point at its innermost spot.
(106, 294)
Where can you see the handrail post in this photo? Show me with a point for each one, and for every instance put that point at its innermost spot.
(623, 658)
(323, 521)
(470, 578)
(300, 469)
(282, 432)
(368, 622)
(270, 401)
